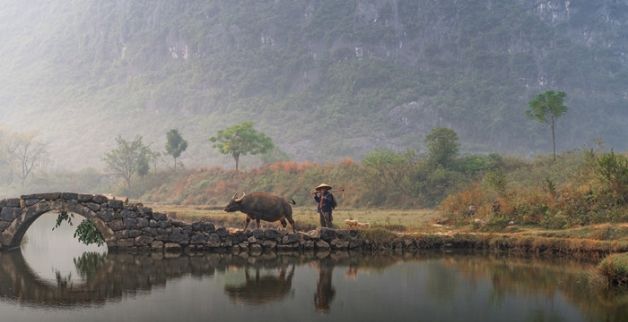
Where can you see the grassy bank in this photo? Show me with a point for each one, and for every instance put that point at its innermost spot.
(615, 269)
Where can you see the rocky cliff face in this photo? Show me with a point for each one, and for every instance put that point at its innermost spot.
(325, 79)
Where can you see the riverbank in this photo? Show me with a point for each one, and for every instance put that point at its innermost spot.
(411, 230)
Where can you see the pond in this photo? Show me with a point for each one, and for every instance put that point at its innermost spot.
(54, 278)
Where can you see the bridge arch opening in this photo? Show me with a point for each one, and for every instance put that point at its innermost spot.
(56, 257)
(13, 235)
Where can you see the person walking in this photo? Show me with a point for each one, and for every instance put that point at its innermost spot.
(325, 204)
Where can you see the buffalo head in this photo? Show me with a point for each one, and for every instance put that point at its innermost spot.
(235, 203)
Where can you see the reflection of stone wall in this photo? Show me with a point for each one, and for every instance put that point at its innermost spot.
(122, 274)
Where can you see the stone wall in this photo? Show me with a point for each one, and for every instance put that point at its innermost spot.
(133, 226)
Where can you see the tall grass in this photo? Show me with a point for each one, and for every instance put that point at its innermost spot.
(580, 188)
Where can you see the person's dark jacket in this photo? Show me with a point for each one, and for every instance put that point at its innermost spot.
(328, 204)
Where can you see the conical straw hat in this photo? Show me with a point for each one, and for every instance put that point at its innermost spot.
(323, 186)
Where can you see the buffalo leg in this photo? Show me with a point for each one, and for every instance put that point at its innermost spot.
(294, 230)
(246, 224)
(258, 223)
(283, 222)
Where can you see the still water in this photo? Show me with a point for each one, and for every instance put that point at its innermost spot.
(54, 278)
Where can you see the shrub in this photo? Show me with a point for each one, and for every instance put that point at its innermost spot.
(615, 269)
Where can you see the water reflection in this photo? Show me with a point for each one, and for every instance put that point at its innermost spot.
(262, 288)
(325, 291)
(85, 284)
(432, 284)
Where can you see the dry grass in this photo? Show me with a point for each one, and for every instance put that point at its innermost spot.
(307, 217)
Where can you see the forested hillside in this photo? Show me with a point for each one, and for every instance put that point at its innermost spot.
(325, 79)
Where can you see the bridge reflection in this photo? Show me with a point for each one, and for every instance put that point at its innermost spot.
(110, 277)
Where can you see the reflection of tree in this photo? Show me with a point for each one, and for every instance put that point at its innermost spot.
(63, 281)
(88, 264)
(262, 288)
(325, 291)
(530, 277)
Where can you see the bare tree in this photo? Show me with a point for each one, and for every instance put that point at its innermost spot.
(27, 154)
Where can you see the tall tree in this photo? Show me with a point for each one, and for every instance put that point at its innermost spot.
(442, 145)
(546, 108)
(241, 139)
(175, 145)
(128, 159)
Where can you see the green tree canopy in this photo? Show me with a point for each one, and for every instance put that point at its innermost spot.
(241, 139)
(546, 108)
(442, 145)
(175, 145)
(128, 159)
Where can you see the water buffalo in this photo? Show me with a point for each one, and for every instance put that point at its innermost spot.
(262, 206)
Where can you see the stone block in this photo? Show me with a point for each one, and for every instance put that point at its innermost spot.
(45, 196)
(129, 223)
(323, 245)
(30, 202)
(126, 242)
(100, 199)
(14, 202)
(339, 244)
(92, 206)
(127, 213)
(133, 233)
(150, 231)
(9, 213)
(222, 232)
(290, 238)
(290, 247)
(179, 236)
(327, 234)
(199, 238)
(308, 244)
(106, 215)
(157, 245)
(69, 196)
(115, 204)
(271, 234)
(257, 233)
(4, 225)
(353, 244)
(159, 216)
(143, 240)
(142, 222)
(85, 197)
(121, 234)
(255, 248)
(172, 247)
(269, 244)
(117, 224)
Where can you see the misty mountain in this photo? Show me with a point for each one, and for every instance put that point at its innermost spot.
(325, 79)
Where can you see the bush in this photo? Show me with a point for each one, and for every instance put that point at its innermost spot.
(615, 269)
(612, 169)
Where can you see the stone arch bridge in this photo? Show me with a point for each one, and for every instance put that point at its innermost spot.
(122, 224)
